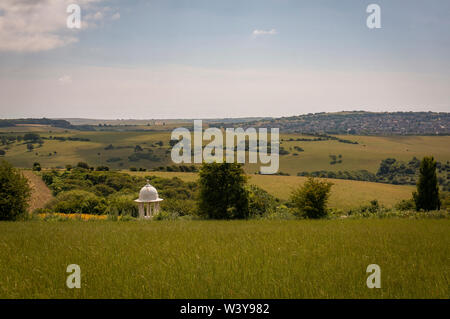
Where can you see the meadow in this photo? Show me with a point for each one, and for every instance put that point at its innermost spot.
(345, 194)
(366, 155)
(226, 259)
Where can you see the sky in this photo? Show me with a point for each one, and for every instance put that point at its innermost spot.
(209, 58)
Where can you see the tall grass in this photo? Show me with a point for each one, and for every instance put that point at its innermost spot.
(226, 259)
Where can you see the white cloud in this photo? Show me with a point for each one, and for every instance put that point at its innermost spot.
(40, 25)
(257, 32)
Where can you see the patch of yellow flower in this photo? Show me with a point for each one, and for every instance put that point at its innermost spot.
(74, 216)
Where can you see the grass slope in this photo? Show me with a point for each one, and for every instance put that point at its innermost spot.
(344, 194)
(365, 155)
(226, 259)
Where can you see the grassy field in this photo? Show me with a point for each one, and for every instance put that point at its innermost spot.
(234, 259)
(345, 194)
(367, 154)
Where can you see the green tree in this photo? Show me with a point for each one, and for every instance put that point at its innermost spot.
(77, 201)
(14, 192)
(83, 165)
(311, 198)
(32, 137)
(36, 167)
(427, 195)
(222, 191)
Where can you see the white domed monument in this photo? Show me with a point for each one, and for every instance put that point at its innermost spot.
(148, 201)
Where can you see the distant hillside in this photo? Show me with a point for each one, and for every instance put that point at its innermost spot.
(355, 123)
(359, 123)
(29, 121)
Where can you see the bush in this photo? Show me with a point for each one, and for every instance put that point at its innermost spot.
(14, 192)
(279, 213)
(36, 167)
(77, 201)
(120, 204)
(310, 200)
(83, 165)
(179, 207)
(47, 178)
(405, 204)
(102, 190)
(259, 201)
(164, 215)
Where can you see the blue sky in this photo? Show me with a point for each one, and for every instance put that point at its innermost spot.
(200, 59)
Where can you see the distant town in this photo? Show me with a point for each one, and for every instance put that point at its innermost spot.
(355, 123)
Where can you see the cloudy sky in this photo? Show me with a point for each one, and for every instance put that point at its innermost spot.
(211, 58)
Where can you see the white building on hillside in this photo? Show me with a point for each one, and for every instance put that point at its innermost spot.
(148, 201)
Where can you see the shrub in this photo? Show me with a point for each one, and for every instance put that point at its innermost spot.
(179, 207)
(406, 204)
(77, 201)
(14, 192)
(310, 200)
(36, 167)
(83, 165)
(103, 190)
(121, 204)
(163, 215)
(48, 178)
(259, 201)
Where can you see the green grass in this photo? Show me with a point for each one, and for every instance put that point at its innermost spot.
(365, 155)
(345, 194)
(220, 259)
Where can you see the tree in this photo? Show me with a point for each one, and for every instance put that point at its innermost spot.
(32, 137)
(222, 191)
(14, 192)
(311, 199)
(36, 167)
(427, 195)
(83, 165)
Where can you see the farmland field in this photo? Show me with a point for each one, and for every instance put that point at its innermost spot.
(226, 259)
(366, 155)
